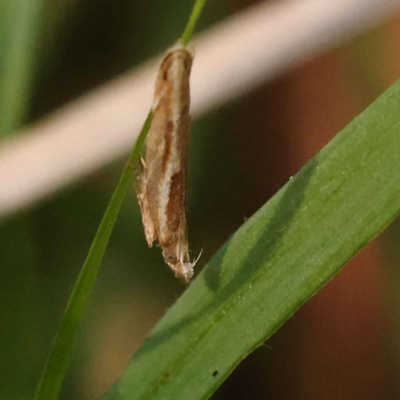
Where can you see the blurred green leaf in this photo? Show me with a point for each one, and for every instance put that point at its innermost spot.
(20, 23)
(275, 262)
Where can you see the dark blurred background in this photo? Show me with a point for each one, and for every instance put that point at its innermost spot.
(343, 344)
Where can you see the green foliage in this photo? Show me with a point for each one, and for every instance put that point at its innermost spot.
(278, 259)
(194, 17)
(20, 23)
(54, 373)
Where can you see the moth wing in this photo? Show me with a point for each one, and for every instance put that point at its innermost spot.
(148, 224)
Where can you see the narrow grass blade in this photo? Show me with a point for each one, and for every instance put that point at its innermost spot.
(54, 372)
(275, 262)
(194, 17)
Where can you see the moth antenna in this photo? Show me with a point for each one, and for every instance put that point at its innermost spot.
(197, 259)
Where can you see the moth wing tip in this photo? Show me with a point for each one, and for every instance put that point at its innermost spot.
(180, 46)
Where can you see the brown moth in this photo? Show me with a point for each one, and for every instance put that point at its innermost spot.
(162, 181)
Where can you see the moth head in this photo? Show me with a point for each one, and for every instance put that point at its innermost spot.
(180, 264)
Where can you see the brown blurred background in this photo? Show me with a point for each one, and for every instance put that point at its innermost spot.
(343, 344)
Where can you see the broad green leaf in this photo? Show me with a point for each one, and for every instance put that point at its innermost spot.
(275, 262)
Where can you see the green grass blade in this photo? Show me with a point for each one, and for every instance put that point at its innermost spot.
(54, 372)
(20, 26)
(194, 17)
(276, 261)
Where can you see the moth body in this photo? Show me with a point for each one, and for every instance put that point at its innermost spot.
(162, 182)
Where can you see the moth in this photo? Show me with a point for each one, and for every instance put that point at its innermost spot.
(161, 186)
